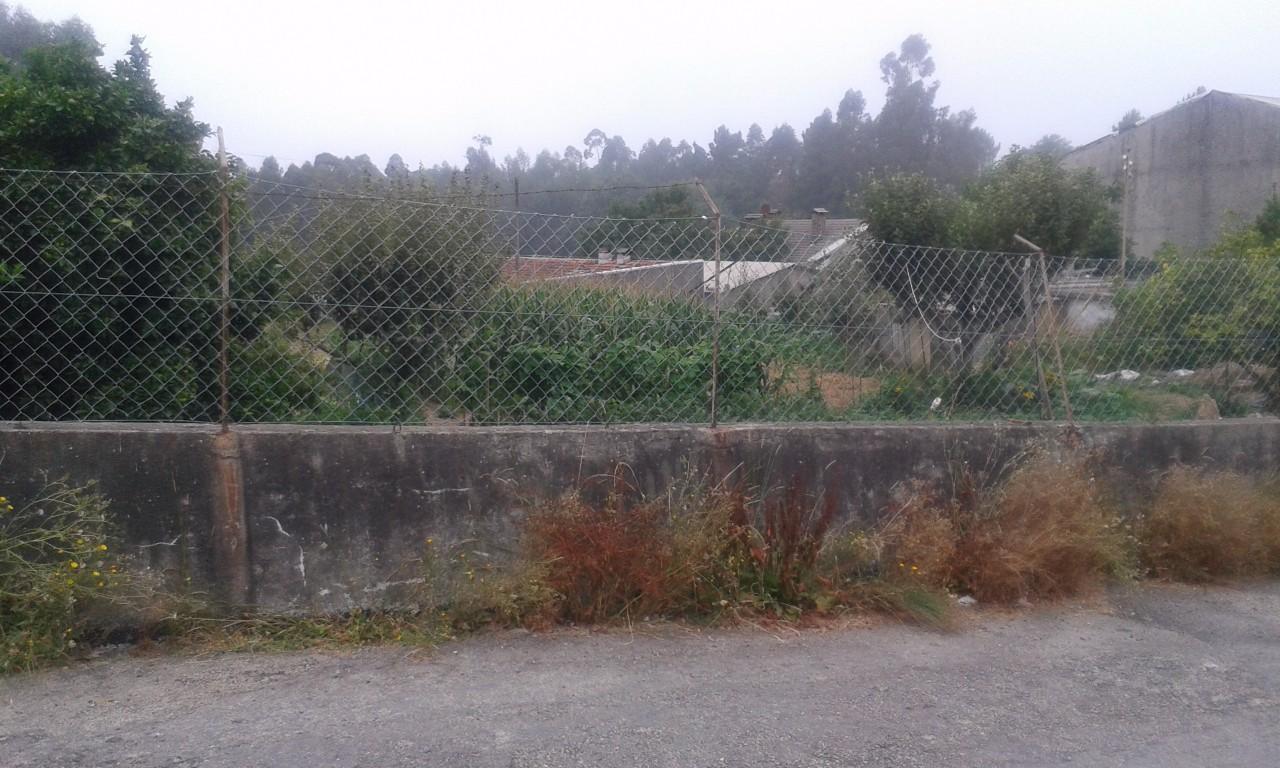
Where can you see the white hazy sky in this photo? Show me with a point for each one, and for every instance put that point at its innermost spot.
(421, 78)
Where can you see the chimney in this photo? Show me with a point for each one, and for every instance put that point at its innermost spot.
(623, 256)
(604, 257)
(818, 222)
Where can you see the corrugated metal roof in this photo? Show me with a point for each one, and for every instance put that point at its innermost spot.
(528, 269)
(804, 244)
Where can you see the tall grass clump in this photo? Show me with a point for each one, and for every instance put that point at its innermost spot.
(58, 562)
(1203, 526)
(711, 552)
(604, 560)
(1045, 532)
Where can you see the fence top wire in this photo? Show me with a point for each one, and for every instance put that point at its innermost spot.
(125, 174)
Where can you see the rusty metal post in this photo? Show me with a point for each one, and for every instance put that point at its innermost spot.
(516, 181)
(230, 535)
(1033, 333)
(1053, 326)
(715, 311)
(224, 334)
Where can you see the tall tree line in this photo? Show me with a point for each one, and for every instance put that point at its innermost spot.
(828, 164)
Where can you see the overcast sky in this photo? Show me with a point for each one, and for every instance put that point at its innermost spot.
(421, 78)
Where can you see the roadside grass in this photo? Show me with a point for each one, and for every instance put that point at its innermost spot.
(704, 551)
(1206, 526)
(58, 564)
(274, 632)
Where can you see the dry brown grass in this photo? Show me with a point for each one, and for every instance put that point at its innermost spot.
(604, 561)
(918, 541)
(1045, 533)
(1204, 526)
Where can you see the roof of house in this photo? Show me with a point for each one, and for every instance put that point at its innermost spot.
(804, 244)
(735, 274)
(527, 269)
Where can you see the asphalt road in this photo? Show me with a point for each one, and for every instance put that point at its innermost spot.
(1153, 676)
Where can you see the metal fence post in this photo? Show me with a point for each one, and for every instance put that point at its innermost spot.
(516, 181)
(1053, 325)
(224, 341)
(715, 310)
(1033, 331)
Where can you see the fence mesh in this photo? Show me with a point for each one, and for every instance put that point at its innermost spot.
(403, 308)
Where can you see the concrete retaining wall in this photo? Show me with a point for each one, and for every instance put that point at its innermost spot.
(327, 518)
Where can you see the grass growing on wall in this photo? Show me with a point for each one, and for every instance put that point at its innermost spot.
(702, 551)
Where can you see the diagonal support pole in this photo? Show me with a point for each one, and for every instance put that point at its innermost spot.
(715, 311)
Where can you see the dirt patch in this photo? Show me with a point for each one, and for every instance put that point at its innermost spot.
(838, 391)
(1172, 406)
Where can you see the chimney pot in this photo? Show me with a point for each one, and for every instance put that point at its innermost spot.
(818, 222)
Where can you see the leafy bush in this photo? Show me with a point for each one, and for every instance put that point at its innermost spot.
(58, 560)
(104, 279)
(583, 354)
(270, 381)
(1199, 310)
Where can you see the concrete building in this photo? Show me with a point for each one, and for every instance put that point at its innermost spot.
(1189, 171)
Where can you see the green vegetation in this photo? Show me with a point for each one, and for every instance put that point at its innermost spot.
(105, 312)
(58, 564)
(1222, 305)
(392, 308)
(1065, 212)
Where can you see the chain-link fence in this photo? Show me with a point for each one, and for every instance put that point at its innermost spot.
(404, 308)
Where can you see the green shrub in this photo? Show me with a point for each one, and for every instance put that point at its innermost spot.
(272, 381)
(1195, 311)
(58, 560)
(583, 354)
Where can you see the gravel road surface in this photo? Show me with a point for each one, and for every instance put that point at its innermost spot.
(1162, 676)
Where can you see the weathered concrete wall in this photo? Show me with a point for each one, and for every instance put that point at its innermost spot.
(1194, 166)
(325, 518)
(162, 482)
